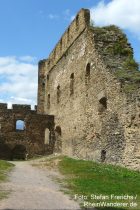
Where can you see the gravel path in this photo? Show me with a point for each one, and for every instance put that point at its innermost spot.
(33, 188)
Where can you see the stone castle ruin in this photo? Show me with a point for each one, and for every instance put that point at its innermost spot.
(31, 135)
(88, 99)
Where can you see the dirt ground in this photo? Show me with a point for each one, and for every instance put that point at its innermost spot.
(34, 188)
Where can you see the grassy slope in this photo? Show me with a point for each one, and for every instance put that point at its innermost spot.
(5, 167)
(87, 177)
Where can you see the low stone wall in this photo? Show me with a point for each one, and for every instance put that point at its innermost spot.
(32, 135)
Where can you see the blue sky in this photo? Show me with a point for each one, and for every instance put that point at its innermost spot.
(32, 27)
(29, 29)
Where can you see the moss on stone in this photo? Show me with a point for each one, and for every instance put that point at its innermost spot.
(130, 80)
(130, 88)
(131, 64)
(128, 75)
(117, 53)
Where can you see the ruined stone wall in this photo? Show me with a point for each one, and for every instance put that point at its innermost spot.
(32, 136)
(88, 100)
(71, 34)
(131, 120)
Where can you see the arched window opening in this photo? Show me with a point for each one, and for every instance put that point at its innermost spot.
(48, 101)
(58, 94)
(103, 155)
(88, 70)
(102, 104)
(58, 130)
(87, 74)
(20, 125)
(72, 84)
(72, 76)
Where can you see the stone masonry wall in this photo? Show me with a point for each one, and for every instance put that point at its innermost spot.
(94, 117)
(71, 34)
(32, 137)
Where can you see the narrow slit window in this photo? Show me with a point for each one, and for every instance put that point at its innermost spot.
(88, 70)
(58, 94)
(72, 84)
(87, 74)
(68, 35)
(47, 77)
(48, 102)
(47, 81)
(103, 155)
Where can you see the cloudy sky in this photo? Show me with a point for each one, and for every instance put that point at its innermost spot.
(29, 29)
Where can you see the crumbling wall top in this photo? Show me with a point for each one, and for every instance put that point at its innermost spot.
(81, 21)
(3, 106)
(17, 107)
(21, 107)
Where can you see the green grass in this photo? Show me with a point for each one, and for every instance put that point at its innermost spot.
(5, 167)
(87, 178)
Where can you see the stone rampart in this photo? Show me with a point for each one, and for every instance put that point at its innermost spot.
(20, 126)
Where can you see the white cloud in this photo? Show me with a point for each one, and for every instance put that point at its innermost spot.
(27, 58)
(53, 16)
(18, 80)
(124, 13)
